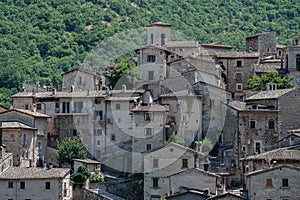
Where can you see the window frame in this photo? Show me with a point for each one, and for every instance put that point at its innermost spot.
(252, 126)
(48, 185)
(269, 182)
(22, 185)
(285, 183)
(155, 182)
(185, 163)
(155, 163)
(10, 184)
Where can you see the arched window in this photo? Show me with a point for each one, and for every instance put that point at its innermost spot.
(163, 39)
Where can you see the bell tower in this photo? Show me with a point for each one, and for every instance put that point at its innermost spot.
(158, 34)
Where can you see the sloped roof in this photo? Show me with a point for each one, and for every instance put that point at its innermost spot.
(152, 108)
(227, 194)
(272, 169)
(87, 161)
(195, 192)
(237, 54)
(33, 173)
(171, 144)
(159, 24)
(27, 112)
(217, 45)
(15, 125)
(273, 94)
(265, 68)
(197, 170)
(277, 154)
(191, 43)
(181, 93)
(237, 105)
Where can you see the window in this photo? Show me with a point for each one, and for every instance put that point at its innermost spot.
(39, 144)
(184, 118)
(113, 137)
(257, 147)
(47, 185)
(78, 106)
(239, 63)
(151, 39)
(285, 182)
(155, 163)
(98, 115)
(151, 58)
(150, 75)
(24, 138)
(252, 123)
(238, 86)
(163, 39)
(118, 106)
(10, 184)
(148, 147)
(239, 77)
(155, 182)
(148, 116)
(39, 106)
(148, 131)
(185, 163)
(66, 107)
(22, 185)
(269, 182)
(271, 124)
(98, 132)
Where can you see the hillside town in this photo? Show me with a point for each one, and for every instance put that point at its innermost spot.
(187, 90)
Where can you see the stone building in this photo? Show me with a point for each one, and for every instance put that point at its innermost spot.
(162, 162)
(239, 68)
(196, 179)
(292, 60)
(292, 139)
(269, 159)
(6, 159)
(190, 194)
(36, 183)
(263, 43)
(273, 183)
(24, 133)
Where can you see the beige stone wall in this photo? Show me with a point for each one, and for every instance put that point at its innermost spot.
(20, 103)
(158, 67)
(169, 162)
(256, 184)
(80, 80)
(35, 189)
(192, 179)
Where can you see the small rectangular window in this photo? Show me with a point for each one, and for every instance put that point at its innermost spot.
(47, 185)
(185, 163)
(22, 185)
(155, 163)
(148, 131)
(239, 87)
(113, 137)
(150, 75)
(239, 63)
(118, 106)
(150, 58)
(39, 106)
(10, 184)
(155, 182)
(269, 182)
(148, 116)
(285, 182)
(148, 147)
(271, 124)
(252, 124)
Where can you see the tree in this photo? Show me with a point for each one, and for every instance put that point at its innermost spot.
(81, 176)
(175, 138)
(260, 83)
(124, 73)
(205, 145)
(69, 149)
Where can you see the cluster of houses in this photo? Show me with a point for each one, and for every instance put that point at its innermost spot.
(189, 90)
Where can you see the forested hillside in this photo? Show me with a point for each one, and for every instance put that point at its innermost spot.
(40, 39)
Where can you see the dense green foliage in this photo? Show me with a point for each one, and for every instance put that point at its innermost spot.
(124, 73)
(260, 83)
(96, 177)
(176, 139)
(81, 176)
(40, 39)
(69, 149)
(205, 145)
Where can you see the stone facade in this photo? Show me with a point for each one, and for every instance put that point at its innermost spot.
(25, 134)
(194, 179)
(36, 183)
(280, 181)
(264, 43)
(162, 162)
